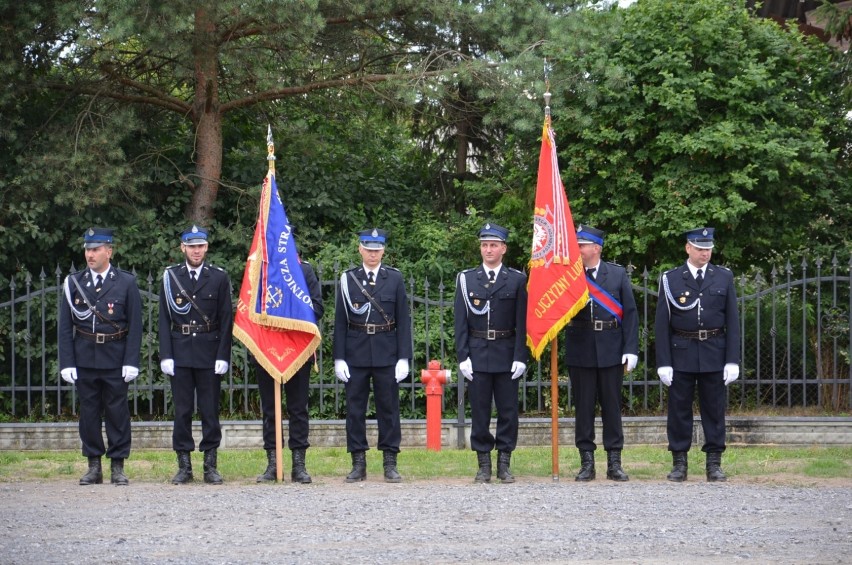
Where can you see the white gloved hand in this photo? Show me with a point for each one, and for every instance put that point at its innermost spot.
(466, 369)
(129, 373)
(221, 367)
(666, 375)
(341, 370)
(731, 373)
(518, 369)
(167, 366)
(401, 370)
(69, 375)
(630, 360)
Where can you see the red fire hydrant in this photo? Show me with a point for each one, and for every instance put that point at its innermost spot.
(434, 377)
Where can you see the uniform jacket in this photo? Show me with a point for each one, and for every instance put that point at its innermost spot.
(507, 299)
(212, 294)
(358, 348)
(717, 309)
(119, 302)
(314, 288)
(585, 347)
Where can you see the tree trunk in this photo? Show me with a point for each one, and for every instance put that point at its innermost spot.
(207, 120)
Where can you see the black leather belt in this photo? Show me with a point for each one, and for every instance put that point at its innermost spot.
(101, 338)
(372, 328)
(187, 329)
(700, 335)
(492, 334)
(596, 325)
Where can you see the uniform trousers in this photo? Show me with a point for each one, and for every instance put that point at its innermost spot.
(296, 391)
(593, 385)
(386, 395)
(503, 391)
(187, 383)
(103, 391)
(712, 401)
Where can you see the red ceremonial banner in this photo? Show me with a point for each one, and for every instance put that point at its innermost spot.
(557, 283)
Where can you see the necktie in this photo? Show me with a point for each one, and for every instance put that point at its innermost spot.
(371, 278)
(699, 278)
(491, 276)
(193, 277)
(590, 273)
(98, 282)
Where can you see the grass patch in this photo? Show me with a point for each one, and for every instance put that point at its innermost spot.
(640, 462)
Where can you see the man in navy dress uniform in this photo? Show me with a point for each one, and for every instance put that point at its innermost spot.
(196, 319)
(698, 346)
(297, 391)
(491, 329)
(601, 344)
(100, 336)
(372, 341)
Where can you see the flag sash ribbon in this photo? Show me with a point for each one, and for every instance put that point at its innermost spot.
(605, 300)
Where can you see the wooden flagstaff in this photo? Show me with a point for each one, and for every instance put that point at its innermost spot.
(554, 409)
(279, 439)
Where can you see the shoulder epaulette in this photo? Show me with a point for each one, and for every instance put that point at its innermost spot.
(516, 270)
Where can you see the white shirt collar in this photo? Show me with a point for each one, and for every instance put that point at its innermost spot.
(104, 274)
(694, 270)
(374, 271)
(495, 269)
(197, 270)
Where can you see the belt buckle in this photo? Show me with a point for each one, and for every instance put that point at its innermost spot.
(702, 335)
(184, 329)
(371, 329)
(100, 338)
(599, 325)
(492, 335)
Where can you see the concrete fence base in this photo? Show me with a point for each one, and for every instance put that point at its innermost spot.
(237, 434)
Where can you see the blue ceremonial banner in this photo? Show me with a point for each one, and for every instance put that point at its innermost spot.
(275, 318)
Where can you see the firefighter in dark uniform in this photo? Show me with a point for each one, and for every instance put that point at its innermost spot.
(196, 319)
(601, 344)
(372, 340)
(297, 391)
(100, 336)
(698, 346)
(490, 325)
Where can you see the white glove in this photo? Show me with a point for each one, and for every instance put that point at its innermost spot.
(129, 373)
(221, 367)
(518, 369)
(666, 375)
(401, 370)
(341, 370)
(731, 373)
(630, 360)
(466, 369)
(69, 375)
(167, 366)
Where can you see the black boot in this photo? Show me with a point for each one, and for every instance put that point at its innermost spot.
(614, 472)
(503, 472)
(359, 467)
(483, 475)
(117, 476)
(587, 466)
(680, 465)
(270, 475)
(95, 475)
(299, 474)
(184, 474)
(714, 468)
(211, 475)
(389, 463)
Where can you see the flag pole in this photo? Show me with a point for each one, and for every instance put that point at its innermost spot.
(279, 439)
(554, 363)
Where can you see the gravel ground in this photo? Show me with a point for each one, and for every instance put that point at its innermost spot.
(433, 521)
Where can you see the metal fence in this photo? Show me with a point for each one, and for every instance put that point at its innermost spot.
(796, 344)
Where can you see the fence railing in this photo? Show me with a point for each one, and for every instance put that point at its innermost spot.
(795, 326)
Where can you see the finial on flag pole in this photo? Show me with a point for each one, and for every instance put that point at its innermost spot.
(270, 149)
(546, 91)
